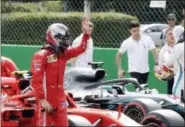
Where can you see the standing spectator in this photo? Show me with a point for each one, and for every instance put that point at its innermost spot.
(137, 47)
(171, 19)
(177, 57)
(86, 57)
(164, 54)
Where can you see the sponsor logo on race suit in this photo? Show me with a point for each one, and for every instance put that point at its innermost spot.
(37, 66)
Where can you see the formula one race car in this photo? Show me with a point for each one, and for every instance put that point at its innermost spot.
(17, 104)
(97, 117)
(19, 110)
(90, 90)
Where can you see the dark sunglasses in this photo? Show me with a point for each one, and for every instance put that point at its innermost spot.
(171, 19)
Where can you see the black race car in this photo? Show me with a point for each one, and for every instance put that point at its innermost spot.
(89, 89)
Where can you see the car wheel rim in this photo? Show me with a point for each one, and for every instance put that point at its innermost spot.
(135, 114)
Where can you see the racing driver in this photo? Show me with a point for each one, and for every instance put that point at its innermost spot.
(48, 66)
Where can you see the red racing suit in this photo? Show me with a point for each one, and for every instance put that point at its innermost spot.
(7, 67)
(47, 81)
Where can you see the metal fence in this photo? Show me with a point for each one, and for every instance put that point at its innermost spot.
(110, 31)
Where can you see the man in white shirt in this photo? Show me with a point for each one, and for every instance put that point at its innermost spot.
(137, 47)
(165, 53)
(177, 57)
(83, 59)
(171, 19)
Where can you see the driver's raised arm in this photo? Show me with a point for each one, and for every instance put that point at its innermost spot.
(74, 52)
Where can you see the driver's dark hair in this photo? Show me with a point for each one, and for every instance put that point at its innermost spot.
(133, 24)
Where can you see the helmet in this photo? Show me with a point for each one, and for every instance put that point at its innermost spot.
(57, 36)
(162, 72)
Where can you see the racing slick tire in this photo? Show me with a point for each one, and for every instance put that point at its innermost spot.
(78, 121)
(138, 108)
(163, 118)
